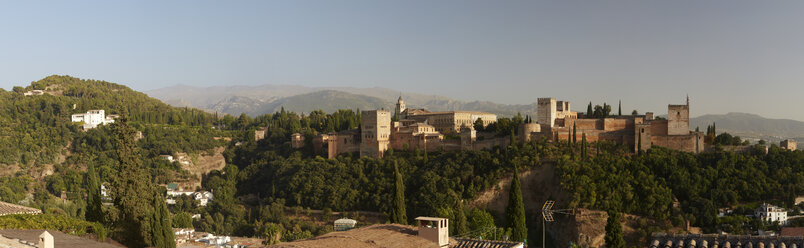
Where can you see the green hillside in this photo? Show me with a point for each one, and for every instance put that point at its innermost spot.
(36, 129)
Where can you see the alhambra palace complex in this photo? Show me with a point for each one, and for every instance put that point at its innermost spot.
(425, 130)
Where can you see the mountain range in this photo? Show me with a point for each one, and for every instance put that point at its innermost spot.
(261, 99)
(752, 126)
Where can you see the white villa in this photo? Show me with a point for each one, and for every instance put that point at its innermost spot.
(93, 118)
(203, 197)
(771, 213)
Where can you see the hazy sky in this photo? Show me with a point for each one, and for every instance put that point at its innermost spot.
(743, 56)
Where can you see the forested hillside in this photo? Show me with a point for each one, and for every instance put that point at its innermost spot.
(36, 129)
(46, 156)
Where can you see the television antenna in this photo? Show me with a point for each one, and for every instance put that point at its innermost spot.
(547, 214)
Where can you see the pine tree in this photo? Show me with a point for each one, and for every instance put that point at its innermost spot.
(131, 188)
(589, 110)
(94, 202)
(614, 231)
(515, 212)
(398, 212)
(620, 108)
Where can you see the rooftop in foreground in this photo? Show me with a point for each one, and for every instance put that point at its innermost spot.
(379, 235)
(8, 208)
(60, 239)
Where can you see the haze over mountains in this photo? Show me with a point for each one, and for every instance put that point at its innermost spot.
(261, 99)
(257, 100)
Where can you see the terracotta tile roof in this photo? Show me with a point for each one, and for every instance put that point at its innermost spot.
(59, 238)
(472, 243)
(8, 208)
(792, 231)
(660, 240)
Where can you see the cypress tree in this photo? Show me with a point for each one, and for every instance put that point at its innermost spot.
(131, 188)
(94, 210)
(574, 134)
(460, 220)
(614, 231)
(398, 212)
(569, 139)
(639, 144)
(714, 129)
(583, 145)
(160, 223)
(620, 108)
(589, 109)
(513, 137)
(515, 212)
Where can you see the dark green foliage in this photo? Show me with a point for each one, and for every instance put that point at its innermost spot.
(614, 231)
(505, 126)
(14, 188)
(478, 125)
(639, 144)
(182, 220)
(589, 110)
(646, 185)
(584, 147)
(574, 134)
(131, 188)
(481, 226)
(515, 211)
(161, 229)
(600, 111)
(398, 213)
(61, 223)
(727, 139)
(459, 223)
(620, 108)
(94, 204)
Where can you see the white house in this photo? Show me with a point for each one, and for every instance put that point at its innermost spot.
(176, 193)
(34, 93)
(93, 118)
(771, 213)
(214, 240)
(203, 197)
(167, 157)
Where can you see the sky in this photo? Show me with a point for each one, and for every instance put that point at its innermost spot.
(727, 55)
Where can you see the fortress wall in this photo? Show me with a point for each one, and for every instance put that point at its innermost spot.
(658, 128)
(491, 143)
(588, 124)
(688, 143)
(610, 124)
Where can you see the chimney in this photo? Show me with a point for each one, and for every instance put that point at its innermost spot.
(434, 229)
(45, 240)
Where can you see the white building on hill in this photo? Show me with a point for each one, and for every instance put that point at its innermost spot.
(771, 213)
(93, 118)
